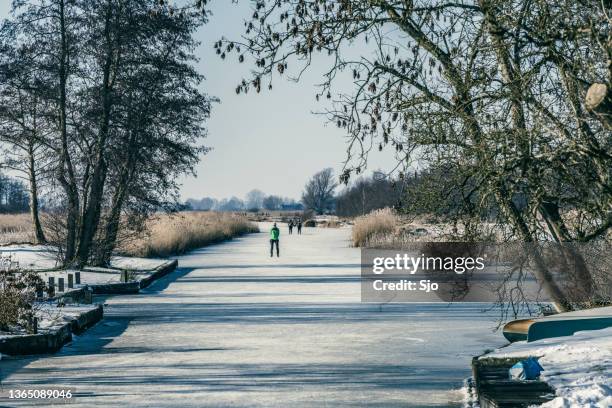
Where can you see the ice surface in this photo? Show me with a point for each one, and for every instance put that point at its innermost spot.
(234, 327)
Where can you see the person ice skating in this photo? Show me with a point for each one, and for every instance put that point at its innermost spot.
(299, 227)
(274, 234)
(290, 227)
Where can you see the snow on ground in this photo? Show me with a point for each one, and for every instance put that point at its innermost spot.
(44, 260)
(579, 367)
(41, 257)
(51, 317)
(98, 276)
(33, 257)
(87, 277)
(136, 264)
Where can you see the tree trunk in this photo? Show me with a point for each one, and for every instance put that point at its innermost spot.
(597, 153)
(510, 72)
(39, 236)
(112, 225)
(575, 268)
(68, 181)
(541, 271)
(91, 215)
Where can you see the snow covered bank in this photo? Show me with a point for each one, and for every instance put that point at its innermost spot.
(50, 317)
(42, 257)
(32, 257)
(55, 328)
(579, 367)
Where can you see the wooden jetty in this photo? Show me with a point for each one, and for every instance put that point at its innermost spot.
(495, 389)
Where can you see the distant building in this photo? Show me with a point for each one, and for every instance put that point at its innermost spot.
(292, 207)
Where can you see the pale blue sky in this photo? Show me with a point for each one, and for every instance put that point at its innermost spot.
(270, 141)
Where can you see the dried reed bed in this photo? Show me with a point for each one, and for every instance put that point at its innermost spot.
(178, 233)
(15, 228)
(378, 223)
(375, 231)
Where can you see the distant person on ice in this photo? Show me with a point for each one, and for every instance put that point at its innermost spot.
(274, 234)
(299, 227)
(290, 227)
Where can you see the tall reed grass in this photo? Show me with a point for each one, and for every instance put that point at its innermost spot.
(178, 233)
(15, 228)
(376, 224)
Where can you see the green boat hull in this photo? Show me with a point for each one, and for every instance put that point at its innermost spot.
(559, 325)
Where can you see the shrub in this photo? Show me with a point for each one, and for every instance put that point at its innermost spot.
(17, 295)
(377, 223)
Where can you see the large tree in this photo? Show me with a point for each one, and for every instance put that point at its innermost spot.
(318, 193)
(24, 129)
(254, 199)
(124, 112)
(493, 89)
(49, 31)
(157, 120)
(272, 202)
(13, 195)
(367, 194)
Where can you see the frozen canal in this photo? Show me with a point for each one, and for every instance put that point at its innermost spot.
(233, 327)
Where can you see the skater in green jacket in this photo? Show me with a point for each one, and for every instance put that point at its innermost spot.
(274, 234)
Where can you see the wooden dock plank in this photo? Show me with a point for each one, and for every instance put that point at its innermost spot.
(495, 389)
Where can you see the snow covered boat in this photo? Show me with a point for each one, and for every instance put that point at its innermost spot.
(562, 324)
(516, 330)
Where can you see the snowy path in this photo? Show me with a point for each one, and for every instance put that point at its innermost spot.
(233, 327)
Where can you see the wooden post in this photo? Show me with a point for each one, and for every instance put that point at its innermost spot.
(51, 287)
(88, 296)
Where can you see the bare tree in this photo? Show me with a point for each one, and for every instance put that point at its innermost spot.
(366, 194)
(254, 199)
(492, 89)
(318, 194)
(13, 195)
(123, 110)
(272, 202)
(23, 127)
(160, 114)
(46, 28)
